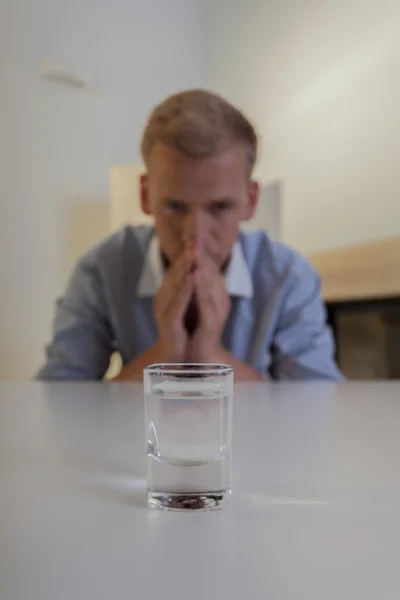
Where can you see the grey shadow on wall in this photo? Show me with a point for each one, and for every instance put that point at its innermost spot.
(86, 224)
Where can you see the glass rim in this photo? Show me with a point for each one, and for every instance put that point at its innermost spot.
(185, 368)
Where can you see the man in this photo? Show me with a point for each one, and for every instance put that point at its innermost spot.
(194, 288)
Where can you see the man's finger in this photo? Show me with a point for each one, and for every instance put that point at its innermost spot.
(210, 291)
(179, 271)
(209, 252)
(204, 293)
(179, 301)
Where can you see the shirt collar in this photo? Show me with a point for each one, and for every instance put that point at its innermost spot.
(238, 281)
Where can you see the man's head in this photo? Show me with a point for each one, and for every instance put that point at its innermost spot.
(199, 153)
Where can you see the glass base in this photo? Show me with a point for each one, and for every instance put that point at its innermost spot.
(185, 502)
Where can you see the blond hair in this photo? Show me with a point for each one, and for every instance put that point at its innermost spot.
(199, 124)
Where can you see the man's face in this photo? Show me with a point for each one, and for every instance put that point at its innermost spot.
(198, 200)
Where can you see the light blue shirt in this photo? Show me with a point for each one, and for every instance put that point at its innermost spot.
(277, 322)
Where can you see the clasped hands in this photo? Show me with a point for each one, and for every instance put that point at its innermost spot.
(194, 277)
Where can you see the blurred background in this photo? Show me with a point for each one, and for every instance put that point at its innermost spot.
(321, 82)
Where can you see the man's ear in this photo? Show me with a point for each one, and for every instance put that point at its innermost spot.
(144, 194)
(254, 196)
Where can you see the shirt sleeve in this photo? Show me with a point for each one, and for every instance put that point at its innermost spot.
(81, 345)
(303, 347)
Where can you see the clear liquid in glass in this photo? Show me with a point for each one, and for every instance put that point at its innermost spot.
(188, 446)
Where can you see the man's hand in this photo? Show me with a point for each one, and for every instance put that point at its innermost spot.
(213, 305)
(170, 305)
(191, 276)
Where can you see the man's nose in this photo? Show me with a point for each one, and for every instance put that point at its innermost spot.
(195, 225)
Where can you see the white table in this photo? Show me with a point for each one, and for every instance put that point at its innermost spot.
(315, 512)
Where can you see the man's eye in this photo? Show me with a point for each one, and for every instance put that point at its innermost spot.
(177, 207)
(220, 207)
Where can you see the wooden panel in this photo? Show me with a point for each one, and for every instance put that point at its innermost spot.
(365, 271)
(125, 206)
(363, 351)
(393, 341)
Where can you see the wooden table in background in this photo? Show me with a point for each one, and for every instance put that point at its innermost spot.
(361, 288)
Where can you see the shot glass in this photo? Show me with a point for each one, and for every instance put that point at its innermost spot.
(189, 435)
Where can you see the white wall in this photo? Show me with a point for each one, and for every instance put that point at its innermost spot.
(57, 144)
(321, 79)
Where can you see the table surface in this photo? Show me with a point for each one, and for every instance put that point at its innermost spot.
(315, 510)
